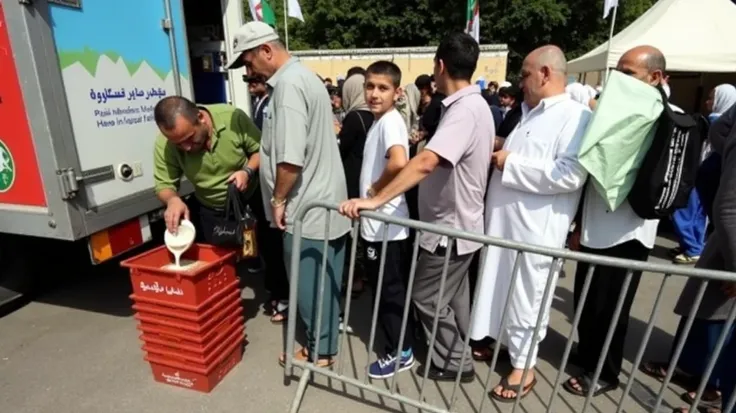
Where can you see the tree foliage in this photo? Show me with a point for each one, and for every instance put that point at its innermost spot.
(575, 25)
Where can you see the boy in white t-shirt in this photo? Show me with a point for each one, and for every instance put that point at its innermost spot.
(385, 153)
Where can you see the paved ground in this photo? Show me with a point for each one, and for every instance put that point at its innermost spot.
(76, 350)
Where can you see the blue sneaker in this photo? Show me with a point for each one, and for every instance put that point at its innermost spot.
(385, 367)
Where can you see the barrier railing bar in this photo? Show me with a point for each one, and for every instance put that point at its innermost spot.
(554, 269)
(435, 320)
(424, 407)
(407, 307)
(321, 291)
(501, 331)
(302, 387)
(466, 342)
(732, 403)
(296, 245)
(643, 345)
(714, 359)
(355, 233)
(609, 338)
(680, 345)
(453, 234)
(535, 249)
(573, 329)
(377, 299)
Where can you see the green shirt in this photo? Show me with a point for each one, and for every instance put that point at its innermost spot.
(235, 138)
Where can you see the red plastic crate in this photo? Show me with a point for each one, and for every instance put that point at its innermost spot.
(198, 359)
(191, 287)
(184, 375)
(162, 344)
(192, 321)
(214, 300)
(214, 330)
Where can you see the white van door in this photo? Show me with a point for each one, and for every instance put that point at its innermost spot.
(117, 62)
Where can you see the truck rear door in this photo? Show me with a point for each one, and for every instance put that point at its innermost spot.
(117, 60)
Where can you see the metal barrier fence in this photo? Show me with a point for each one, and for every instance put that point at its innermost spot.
(336, 371)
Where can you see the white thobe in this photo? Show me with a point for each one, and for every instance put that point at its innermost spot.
(533, 200)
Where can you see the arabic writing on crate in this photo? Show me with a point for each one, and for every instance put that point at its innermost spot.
(158, 289)
(177, 379)
(131, 115)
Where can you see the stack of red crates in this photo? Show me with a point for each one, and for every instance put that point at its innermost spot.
(191, 320)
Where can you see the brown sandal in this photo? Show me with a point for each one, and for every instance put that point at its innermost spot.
(302, 355)
(711, 398)
(658, 370)
(279, 313)
(482, 354)
(516, 388)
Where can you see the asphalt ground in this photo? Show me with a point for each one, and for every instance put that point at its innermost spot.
(76, 349)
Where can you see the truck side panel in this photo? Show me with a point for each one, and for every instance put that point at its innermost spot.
(116, 64)
(20, 179)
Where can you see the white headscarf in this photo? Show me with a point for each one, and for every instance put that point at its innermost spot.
(723, 98)
(353, 97)
(579, 93)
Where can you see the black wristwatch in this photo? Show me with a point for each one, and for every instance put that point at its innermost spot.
(251, 173)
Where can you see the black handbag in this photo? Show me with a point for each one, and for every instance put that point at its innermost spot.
(236, 227)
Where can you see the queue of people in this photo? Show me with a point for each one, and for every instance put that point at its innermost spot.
(501, 162)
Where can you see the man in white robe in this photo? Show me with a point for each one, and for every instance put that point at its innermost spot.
(532, 198)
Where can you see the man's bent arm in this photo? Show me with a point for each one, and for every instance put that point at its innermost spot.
(254, 161)
(414, 172)
(286, 176)
(165, 195)
(397, 160)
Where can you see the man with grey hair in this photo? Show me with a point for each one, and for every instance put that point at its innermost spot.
(301, 164)
(532, 198)
(620, 234)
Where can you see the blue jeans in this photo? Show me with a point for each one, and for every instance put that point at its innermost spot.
(689, 223)
(699, 348)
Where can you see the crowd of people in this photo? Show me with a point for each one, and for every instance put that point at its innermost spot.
(500, 161)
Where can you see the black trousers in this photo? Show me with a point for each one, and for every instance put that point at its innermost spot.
(270, 242)
(600, 304)
(393, 289)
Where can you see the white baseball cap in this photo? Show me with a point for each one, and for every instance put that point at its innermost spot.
(250, 36)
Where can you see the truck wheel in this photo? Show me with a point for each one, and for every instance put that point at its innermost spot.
(17, 273)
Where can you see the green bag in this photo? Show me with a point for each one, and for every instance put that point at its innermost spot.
(619, 135)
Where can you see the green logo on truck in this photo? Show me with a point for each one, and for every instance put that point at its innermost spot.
(7, 168)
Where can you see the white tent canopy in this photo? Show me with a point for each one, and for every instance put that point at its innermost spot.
(694, 35)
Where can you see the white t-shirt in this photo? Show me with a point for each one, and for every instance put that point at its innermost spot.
(385, 133)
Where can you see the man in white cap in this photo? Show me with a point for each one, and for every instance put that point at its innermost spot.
(300, 164)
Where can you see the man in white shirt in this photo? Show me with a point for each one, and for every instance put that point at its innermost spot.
(619, 234)
(532, 198)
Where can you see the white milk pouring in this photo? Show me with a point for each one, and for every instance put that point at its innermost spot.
(181, 241)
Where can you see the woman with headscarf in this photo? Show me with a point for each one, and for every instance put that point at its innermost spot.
(409, 107)
(690, 221)
(351, 139)
(410, 112)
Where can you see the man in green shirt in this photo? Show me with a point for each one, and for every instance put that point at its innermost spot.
(213, 146)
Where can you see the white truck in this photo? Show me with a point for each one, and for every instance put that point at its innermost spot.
(78, 83)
